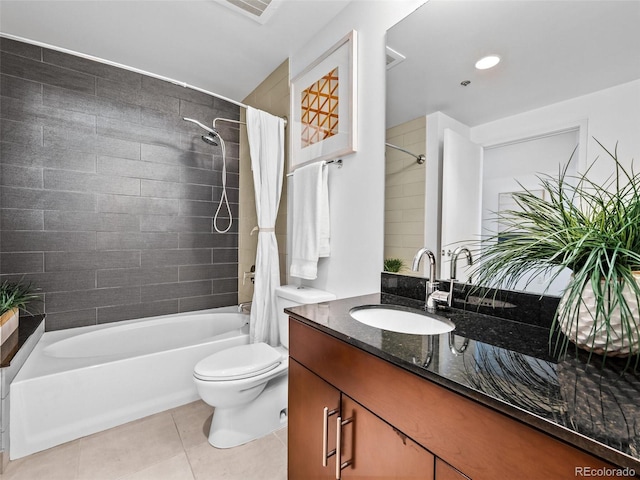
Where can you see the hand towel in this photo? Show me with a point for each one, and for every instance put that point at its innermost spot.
(311, 222)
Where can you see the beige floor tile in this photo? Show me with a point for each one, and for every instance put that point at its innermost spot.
(129, 448)
(59, 463)
(262, 459)
(176, 468)
(282, 435)
(193, 422)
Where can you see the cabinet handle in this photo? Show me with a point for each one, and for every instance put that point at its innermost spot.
(340, 466)
(325, 436)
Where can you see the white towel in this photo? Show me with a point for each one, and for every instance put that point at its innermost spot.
(311, 224)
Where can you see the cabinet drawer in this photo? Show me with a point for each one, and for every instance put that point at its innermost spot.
(478, 441)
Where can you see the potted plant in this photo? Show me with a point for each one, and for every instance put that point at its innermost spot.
(593, 229)
(13, 297)
(393, 265)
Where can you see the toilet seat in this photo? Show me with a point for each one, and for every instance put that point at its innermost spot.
(239, 362)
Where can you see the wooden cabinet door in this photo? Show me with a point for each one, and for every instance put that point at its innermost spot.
(444, 471)
(376, 450)
(308, 396)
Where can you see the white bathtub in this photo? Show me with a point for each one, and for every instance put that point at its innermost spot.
(83, 380)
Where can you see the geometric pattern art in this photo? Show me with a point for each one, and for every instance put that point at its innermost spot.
(319, 115)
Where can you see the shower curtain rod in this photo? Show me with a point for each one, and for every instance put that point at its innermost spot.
(420, 159)
(126, 67)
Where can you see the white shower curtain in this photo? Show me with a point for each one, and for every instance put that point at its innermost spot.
(266, 147)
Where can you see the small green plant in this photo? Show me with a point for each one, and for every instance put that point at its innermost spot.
(394, 265)
(16, 295)
(592, 228)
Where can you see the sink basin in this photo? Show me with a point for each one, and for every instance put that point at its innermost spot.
(399, 319)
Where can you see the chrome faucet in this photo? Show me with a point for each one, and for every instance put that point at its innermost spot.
(454, 263)
(432, 285)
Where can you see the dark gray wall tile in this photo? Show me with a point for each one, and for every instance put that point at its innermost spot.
(84, 299)
(152, 293)
(40, 241)
(137, 133)
(209, 301)
(40, 156)
(164, 223)
(87, 66)
(233, 194)
(225, 285)
(15, 176)
(73, 261)
(107, 192)
(159, 189)
(45, 199)
(136, 241)
(18, 219)
(202, 272)
(138, 310)
(78, 318)
(136, 168)
(20, 48)
(86, 142)
(21, 262)
(34, 112)
(158, 258)
(122, 277)
(86, 182)
(19, 132)
(225, 255)
(136, 205)
(68, 100)
(174, 156)
(15, 87)
(131, 92)
(90, 221)
(47, 74)
(56, 281)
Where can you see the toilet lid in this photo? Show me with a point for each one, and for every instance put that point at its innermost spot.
(239, 362)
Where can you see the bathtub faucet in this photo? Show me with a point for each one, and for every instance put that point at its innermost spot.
(244, 305)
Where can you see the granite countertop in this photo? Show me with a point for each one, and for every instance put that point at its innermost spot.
(28, 324)
(506, 365)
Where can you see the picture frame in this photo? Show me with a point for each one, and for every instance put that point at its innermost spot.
(324, 106)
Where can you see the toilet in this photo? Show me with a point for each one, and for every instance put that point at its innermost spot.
(247, 384)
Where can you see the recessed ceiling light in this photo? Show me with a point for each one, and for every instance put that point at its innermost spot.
(487, 62)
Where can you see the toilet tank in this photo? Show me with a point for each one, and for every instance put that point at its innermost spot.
(290, 296)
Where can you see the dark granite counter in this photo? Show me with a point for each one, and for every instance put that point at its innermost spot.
(506, 365)
(28, 324)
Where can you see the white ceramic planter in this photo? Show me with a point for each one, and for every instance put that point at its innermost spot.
(613, 341)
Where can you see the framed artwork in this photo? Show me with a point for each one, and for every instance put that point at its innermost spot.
(323, 106)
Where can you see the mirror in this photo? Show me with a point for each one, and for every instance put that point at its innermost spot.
(569, 72)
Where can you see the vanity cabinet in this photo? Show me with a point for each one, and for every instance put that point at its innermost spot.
(401, 418)
(369, 447)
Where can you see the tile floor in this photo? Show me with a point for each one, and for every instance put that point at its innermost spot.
(170, 445)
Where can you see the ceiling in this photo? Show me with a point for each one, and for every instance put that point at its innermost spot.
(199, 42)
(551, 51)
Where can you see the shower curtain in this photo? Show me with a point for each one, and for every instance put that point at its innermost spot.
(266, 148)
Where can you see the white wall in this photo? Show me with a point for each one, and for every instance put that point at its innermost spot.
(612, 115)
(357, 189)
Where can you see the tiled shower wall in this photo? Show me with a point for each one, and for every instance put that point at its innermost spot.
(107, 195)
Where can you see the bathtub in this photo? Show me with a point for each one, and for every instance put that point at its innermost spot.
(83, 380)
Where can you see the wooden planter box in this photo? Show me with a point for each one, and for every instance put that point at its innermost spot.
(8, 324)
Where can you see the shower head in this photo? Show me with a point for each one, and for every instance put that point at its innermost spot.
(210, 138)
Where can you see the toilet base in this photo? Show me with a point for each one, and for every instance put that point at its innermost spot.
(233, 426)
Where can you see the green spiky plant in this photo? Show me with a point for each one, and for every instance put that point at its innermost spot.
(16, 295)
(394, 265)
(589, 227)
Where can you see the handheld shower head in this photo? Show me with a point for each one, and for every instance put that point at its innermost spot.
(210, 138)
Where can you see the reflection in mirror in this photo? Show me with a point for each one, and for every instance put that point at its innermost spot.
(569, 72)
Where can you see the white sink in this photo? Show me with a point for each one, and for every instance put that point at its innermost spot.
(401, 319)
